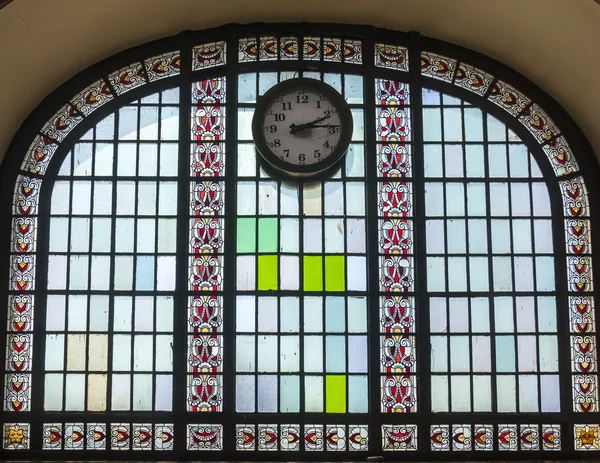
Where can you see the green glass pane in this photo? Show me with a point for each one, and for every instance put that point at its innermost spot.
(335, 394)
(313, 273)
(334, 273)
(246, 235)
(268, 273)
(267, 235)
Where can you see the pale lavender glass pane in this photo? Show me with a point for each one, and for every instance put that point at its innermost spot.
(245, 394)
(525, 314)
(164, 393)
(437, 320)
(527, 353)
(267, 314)
(482, 356)
(435, 236)
(520, 200)
(245, 273)
(550, 393)
(245, 314)
(290, 277)
(313, 235)
(121, 391)
(439, 353)
(523, 273)
(55, 351)
(267, 393)
(335, 359)
(357, 354)
(313, 314)
(356, 273)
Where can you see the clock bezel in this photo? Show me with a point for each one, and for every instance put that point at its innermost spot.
(337, 100)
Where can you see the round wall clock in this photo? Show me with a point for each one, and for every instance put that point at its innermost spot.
(302, 127)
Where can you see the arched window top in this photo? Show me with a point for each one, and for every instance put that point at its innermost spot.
(399, 86)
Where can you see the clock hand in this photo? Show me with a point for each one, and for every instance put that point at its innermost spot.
(324, 126)
(296, 128)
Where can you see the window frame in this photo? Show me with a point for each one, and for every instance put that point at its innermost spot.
(589, 169)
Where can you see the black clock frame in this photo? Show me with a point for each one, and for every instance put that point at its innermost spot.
(260, 114)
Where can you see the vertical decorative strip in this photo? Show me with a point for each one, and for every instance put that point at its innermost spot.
(584, 363)
(17, 378)
(206, 238)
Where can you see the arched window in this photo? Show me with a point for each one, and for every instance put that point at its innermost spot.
(167, 292)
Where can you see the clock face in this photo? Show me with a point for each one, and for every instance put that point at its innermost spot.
(302, 126)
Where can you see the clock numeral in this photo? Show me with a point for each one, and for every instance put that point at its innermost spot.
(280, 117)
(301, 98)
(317, 153)
(287, 153)
(269, 112)
(270, 128)
(286, 105)
(333, 130)
(279, 99)
(275, 143)
(326, 144)
(318, 104)
(302, 157)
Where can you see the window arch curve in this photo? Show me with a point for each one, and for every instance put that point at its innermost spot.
(418, 278)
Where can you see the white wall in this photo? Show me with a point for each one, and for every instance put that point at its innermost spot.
(555, 43)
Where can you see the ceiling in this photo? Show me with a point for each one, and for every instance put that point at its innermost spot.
(552, 42)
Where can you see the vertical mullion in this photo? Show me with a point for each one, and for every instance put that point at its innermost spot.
(135, 253)
(491, 300)
(371, 219)
(68, 267)
(156, 231)
(535, 297)
(229, 283)
(467, 260)
(180, 335)
(89, 286)
(446, 253)
(515, 336)
(422, 314)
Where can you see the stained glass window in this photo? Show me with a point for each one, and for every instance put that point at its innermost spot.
(169, 292)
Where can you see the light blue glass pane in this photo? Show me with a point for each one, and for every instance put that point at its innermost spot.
(505, 354)
(335, 315)
(144, 273)
(290, 312)
(244, 394)
(267, 393)
(335, 358)
(289, 390)
(357, 394)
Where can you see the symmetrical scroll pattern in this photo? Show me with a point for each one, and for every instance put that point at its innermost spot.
(19, 340)
(584, 361)
(206, 240)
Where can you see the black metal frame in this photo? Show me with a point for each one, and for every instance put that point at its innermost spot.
(589, 168)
